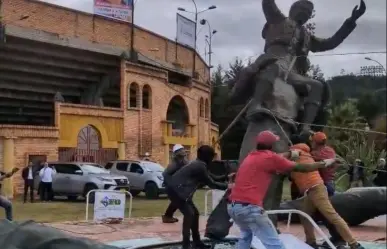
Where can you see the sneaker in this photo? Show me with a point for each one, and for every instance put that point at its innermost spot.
(337, 243)
(167, 219)
(313, 245)
(356, 246)
(200, 245)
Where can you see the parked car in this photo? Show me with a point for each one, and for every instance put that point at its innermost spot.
(143, 176)
(75, 179)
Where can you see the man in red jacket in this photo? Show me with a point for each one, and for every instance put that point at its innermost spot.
(321, 151)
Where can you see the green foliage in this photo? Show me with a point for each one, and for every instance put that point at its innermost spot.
(350, 144)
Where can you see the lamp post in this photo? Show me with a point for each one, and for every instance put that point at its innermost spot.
(211, 33)
(196, 13)
(377, 62)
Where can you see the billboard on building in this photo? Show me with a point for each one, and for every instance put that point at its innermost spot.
(117, 9)
(185, 33)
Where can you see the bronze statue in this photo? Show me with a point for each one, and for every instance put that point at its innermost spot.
(277, 84)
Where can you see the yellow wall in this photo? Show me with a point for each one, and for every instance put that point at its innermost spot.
(214, 139)
(109, 123)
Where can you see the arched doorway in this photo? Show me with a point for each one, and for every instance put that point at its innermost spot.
(88, 138)
(88, 144)
(177, 112)
(89, 148)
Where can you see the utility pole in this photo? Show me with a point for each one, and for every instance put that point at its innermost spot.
(196, 13)
(211, 33)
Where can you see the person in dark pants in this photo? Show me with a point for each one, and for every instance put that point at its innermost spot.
(46, 176)
(178, 161)
(381, 173)
(356, 174)
(183, 185)
(28, 177)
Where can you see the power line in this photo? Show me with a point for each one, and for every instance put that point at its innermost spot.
(246, 59)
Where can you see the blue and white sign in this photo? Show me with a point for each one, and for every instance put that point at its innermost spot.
(109, 205)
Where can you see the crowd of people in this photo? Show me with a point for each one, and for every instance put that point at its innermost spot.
(311, 167)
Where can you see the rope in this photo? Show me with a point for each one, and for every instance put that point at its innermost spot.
(343, 128)
(346, 163)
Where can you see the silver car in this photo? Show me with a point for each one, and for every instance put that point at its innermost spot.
(75, 179)
(144, 176)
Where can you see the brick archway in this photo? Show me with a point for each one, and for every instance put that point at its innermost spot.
(88, 148)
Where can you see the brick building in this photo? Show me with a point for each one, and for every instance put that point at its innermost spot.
(71, 90)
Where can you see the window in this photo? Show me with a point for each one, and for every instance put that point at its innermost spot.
(122, 166)
(146, 97)
(201, 107)
(108, 165)
(207, 109)
(66, 168)
(135, 168)
(133, 94)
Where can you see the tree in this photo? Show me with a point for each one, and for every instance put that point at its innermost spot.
(316, 73)
(348, 143)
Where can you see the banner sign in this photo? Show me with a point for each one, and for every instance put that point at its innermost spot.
(117, 9)
(109, 205)
(185, 33)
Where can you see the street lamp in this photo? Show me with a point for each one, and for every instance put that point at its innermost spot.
(377, 62)
(211, 33)
(196, 13)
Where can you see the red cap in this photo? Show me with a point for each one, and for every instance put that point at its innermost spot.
(319, 137)
(267, 138)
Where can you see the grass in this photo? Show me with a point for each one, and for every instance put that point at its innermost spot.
(63, 210)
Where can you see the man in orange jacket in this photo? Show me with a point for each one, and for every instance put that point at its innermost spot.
(316, 198)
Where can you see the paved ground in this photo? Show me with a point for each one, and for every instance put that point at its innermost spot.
(373, 230)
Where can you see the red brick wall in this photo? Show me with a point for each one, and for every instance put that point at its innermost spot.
(29, 140)
(32, 146)
(151, 120)
(72, 23)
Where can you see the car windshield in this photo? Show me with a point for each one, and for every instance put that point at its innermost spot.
(94, 169)
(153, 166)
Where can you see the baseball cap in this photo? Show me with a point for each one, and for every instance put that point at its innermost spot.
(319, 137)
(267, 138)
(177, 147)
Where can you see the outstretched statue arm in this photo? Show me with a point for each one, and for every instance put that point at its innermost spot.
(272, 13)
(321, 44)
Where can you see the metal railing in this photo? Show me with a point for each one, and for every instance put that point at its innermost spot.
(109, 191)
(290, 212)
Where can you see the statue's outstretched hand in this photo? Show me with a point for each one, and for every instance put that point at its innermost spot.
(357, 12)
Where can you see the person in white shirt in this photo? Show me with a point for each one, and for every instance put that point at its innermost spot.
(46, 175)
(28, 177)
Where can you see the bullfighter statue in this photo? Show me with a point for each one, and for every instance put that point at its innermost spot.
(281, 92)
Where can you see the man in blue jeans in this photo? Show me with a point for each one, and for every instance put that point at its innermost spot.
(251, 183)
(4, 202)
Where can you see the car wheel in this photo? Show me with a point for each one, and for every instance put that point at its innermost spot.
(135, 192)
(72, 197)
(151, 190)
(88, 188)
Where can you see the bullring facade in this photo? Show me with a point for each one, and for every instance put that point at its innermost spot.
(72, 90)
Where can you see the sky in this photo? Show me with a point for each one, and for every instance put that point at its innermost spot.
(239, 28)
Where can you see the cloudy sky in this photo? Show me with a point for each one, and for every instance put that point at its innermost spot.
(239, 24)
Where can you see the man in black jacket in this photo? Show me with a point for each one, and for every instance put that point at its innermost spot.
(183, 185)
(381, 173)
(28, 177)
(178, 161)
(356, 174)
